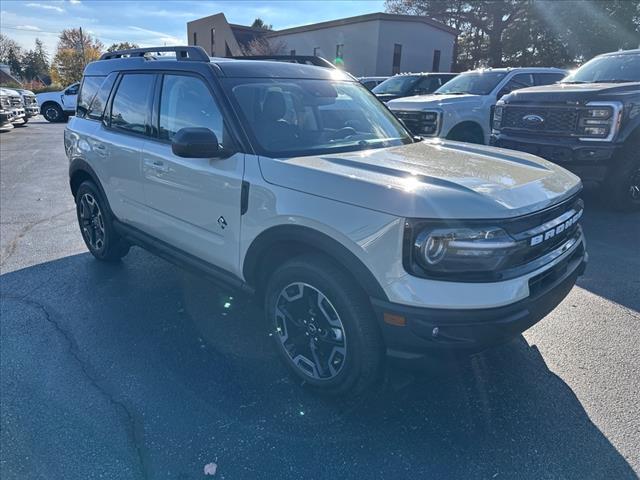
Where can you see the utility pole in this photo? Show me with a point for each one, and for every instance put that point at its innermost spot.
(84, 59)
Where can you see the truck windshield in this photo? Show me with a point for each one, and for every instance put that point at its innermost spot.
(474, 83)
(610, 68)
(297, 117)
(397, 85)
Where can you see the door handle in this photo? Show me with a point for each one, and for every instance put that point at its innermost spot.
(100, 148)
(157, 165)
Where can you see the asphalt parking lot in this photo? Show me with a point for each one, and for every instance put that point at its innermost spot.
(138, 370)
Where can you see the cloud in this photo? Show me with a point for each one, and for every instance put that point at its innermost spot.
(45, 7)
(30, 28)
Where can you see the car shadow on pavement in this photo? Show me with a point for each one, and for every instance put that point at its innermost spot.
(192, 365)
(613, 240)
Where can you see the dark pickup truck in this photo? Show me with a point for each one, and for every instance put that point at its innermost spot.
(588, 123)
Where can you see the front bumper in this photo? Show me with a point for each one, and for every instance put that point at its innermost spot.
(589, 160)
(6, 117)
(18, 114)
(31, 111)
(426, 330)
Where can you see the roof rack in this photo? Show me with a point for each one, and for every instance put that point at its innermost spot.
(193, 53)
(302, 59)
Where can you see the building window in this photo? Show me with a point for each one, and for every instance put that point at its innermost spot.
(227, 50)
(213, 40)
(293, 53)
(195, 38)
(397, 55)
(316, 51)
(436, 61)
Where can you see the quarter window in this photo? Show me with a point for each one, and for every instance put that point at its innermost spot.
(397, 56)
(131, 103)
(96, 110)
(187, 102)
(88, 90)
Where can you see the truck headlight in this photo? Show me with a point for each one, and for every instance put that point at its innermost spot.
(599, 121)
(430, 122)
(450, 250)
(497, 117)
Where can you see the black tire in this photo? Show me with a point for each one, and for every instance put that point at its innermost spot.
(96, 225)
(53, 113)
(467, 134)
(353, 338)
(622, 186)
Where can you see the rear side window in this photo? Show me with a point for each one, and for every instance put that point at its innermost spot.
(547, 78)
(99, 102)
(88, 90)
(187, 102)
(130, 107)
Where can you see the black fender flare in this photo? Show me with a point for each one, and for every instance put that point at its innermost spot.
(313, 240)
(79, 171)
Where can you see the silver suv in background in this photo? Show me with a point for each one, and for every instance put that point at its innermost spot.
(462, 109)
(293, 183)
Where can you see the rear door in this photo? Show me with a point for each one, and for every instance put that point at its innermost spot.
(193, 203)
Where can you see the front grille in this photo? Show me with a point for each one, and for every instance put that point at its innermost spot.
(5, 102)
(413, 120)
(555, 121)
(28, 101)
(16, 102)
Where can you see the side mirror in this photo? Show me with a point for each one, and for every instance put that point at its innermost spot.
(195, 142)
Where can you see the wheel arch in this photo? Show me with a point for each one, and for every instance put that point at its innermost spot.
(467, 124)
(80, 171)
(280, 243)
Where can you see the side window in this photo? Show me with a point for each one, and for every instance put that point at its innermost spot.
(521, 80)
(88, 89)
(547, 78)
(131, 103)
(427, 85)
(96, 109)
(72, 90)
(186, 101)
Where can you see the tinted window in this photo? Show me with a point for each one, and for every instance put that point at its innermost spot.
(131, 103)
(547, 78)
(427, 85)
(475, 83)
(187, 102)
(397, 85)
(96, 109)
(90, 86)
(521, 80)
(72, 90)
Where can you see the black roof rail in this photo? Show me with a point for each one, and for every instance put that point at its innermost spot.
(191, 52)
(302, 59)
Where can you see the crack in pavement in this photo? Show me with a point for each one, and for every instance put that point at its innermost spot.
(10, 249)
(133, 425)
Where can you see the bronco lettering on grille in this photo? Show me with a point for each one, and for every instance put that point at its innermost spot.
(549, 234)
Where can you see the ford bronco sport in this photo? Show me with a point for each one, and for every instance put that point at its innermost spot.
(589, 123)
(294, 183)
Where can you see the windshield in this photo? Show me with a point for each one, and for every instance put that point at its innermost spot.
(396, 85)
(611, 68)
(292, 117)
(475, 83)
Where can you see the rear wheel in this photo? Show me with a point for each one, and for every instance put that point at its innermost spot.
(323, 326)
(96, 225)
(52, 112)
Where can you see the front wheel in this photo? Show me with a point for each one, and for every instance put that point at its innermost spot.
(622, 187)
(323, 326)
(53, 113)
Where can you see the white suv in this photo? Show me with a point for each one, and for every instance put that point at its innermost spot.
(296, 184)
(462, 108)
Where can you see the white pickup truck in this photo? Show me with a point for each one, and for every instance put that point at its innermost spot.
(462, 108)
(58, 106)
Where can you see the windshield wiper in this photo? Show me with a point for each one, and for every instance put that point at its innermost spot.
(451, 93)
(574, 81)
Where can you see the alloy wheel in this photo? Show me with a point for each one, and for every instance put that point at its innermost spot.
(634, 186)
(310, 331)
(51, 114)
(91, 222)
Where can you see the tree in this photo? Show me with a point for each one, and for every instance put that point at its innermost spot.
(122, 46)
(11, 54)
(531, 32)
(259, 23)
(264, 46)
(36, 63)
(75, 49)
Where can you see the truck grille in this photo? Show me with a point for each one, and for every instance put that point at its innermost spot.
(555, 121)
(29, 100)
(413, 120)
(5, 102)
(16, 102)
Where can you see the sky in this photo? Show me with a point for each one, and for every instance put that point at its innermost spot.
(158, 22)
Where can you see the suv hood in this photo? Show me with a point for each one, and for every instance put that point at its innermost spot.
(420, 102)
(572, 92)
(430, 179)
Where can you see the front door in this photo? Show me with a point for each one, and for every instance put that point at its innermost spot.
(193, 203)
(69, 97)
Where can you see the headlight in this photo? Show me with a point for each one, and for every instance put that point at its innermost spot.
(462, 249)
(497, 117)
(430, 122)
(599, 121)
